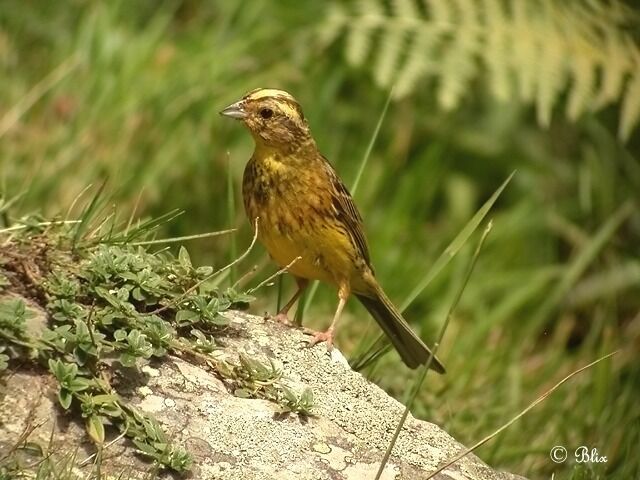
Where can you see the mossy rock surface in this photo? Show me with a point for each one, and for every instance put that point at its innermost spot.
(232, 437)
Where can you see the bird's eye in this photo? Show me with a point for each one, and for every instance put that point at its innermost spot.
(266, 113)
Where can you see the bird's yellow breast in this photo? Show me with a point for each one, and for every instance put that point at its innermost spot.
(295, 220)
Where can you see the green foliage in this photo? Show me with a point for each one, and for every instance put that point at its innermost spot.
(133, 345)
(153, 442)
(13, 318)
(256, 378)
(203, 343)
(530, 51)
(121, 302)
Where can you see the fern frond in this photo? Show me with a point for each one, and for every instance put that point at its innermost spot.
(360, 35)
(497, 40)
(533, 52)
(459, 64)
(550, 63)
(389, 56)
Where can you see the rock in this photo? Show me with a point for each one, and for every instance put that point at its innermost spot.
(249, 439)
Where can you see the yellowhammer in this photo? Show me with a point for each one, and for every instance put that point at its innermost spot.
(304, 210)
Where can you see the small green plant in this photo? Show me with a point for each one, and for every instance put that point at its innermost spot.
(153, 442)
(264, 379)
(13, 317)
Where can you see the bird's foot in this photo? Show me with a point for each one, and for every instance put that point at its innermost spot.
(281, 317)
(319, 337)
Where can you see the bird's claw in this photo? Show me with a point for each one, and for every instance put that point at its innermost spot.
(319, 337)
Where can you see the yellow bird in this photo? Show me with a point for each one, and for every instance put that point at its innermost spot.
(304, 210)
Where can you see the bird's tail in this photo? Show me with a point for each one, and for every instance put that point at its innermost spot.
(411, 349)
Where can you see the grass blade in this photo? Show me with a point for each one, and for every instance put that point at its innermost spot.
(143, 229)
(198, 236)
(372, 142)
(87, 215)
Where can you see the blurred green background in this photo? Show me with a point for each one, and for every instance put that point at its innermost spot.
(130, 92)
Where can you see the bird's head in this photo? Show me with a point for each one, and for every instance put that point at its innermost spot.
(273, 117)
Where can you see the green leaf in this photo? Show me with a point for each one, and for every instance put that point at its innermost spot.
(204, 271)
(123, 295)
(80, 355)
(234, 298)
(127, 360)
(64, 372)
(113, 410)
(180, 460)
(184, 317)
(202, 343)
(78, 384)
(120, 335)
(289, 395)
(307, 397)
(95, 428)
(108, 296)
(184, 259)
(161, 446)
(145, 448)
(104, 398)
(137, 294)
(65, 397)
(154, 431)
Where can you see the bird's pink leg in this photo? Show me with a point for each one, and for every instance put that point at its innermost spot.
(328, 335)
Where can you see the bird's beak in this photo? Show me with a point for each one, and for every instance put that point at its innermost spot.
(235, 110)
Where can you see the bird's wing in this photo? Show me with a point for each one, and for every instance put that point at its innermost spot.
(349, 215)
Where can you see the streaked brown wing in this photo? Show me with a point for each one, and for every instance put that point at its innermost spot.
(348, 213)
